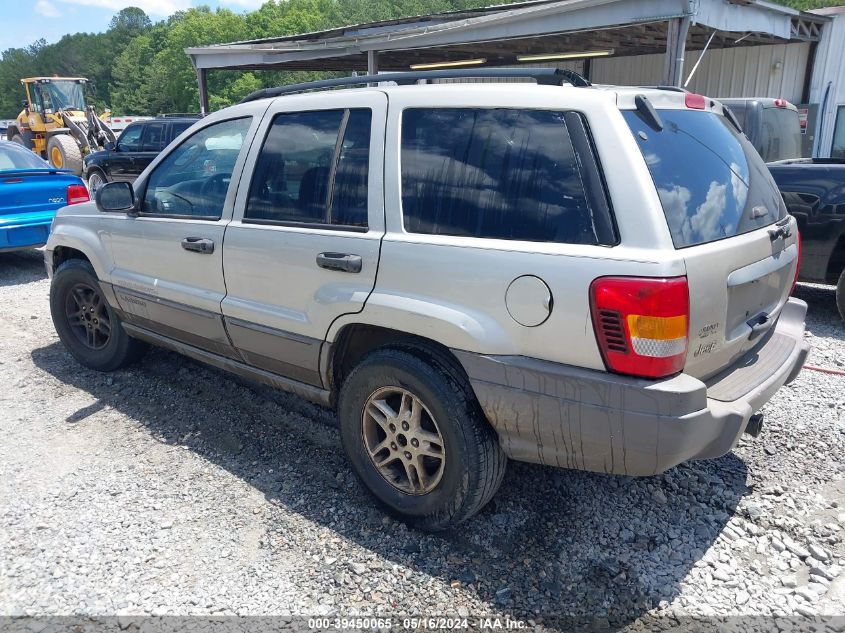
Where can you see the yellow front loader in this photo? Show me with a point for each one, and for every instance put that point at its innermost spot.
(56, 123)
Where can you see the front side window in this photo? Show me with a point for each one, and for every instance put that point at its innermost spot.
(711, 181)
(304, 175)
(130, 140)
(194, 178)
(494, 173)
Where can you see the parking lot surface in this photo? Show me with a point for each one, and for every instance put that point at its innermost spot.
(173, 488)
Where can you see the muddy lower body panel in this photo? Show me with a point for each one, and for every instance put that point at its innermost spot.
(570, 417)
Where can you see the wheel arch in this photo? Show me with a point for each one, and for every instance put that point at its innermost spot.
(75, 242)
(354, 341)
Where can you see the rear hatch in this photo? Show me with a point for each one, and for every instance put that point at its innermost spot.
(728, 220)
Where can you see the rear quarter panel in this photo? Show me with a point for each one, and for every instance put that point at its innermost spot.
(452, 289)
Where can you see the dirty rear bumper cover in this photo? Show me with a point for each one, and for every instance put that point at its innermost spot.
(570, 417)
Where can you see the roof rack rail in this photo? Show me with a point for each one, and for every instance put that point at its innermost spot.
(668, 88)
(544, 76)
(179, 115)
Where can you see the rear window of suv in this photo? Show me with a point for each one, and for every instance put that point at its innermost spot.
(502, 174)
(711, 181)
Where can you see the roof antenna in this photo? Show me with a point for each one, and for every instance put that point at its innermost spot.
(700, 57)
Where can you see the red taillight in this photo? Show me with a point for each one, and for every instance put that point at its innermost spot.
(641, 324)
(781, 103)
(694, 101)
(797, 263)
(77, 194)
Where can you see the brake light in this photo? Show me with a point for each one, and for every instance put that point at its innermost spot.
(77, 194)
(641, 324)
(781, 103)
(694, 101)
(797, 263)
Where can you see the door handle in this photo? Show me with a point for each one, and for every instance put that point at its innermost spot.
(343, 262)
(198, 245)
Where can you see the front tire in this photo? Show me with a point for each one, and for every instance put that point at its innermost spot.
(96, 179)
(418, 440)
(840, 295)
(86, 323)
(64, 153)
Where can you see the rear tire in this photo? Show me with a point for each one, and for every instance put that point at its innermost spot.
(17, 138)
(64, 153)
(432, 493)
(840, 295)
(85, 322)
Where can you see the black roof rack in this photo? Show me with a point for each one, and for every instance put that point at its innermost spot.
(179, 115)
(544, 76)
(662, 87)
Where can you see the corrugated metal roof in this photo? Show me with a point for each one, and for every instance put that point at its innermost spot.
(502, 23)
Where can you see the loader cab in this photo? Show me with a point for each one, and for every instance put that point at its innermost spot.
(49, 95)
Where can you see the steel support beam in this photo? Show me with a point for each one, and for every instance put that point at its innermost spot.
(676, 47)
(202, 82)
(372, 62)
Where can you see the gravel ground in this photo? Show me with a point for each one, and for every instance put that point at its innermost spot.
(172, 488)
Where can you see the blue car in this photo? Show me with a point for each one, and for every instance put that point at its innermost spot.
(31, 191)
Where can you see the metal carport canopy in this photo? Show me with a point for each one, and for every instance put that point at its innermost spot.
(498, 33)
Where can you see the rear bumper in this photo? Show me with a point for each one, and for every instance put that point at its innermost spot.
(29, 230)
(565, 416)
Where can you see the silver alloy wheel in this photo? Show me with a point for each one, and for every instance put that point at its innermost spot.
(95, 181)
(403, 441)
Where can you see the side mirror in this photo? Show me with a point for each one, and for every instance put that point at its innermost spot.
(116, 196)
(110, 146)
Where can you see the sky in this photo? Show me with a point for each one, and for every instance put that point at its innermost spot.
(27, 21)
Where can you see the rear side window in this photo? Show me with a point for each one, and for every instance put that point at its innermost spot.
(177, 127)
(711, 181)
(313, 170)
(153, 138)
(502, 174)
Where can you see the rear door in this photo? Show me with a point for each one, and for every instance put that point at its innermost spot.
(728, 220)
(303, 246)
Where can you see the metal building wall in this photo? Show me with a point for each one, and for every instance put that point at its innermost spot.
(829, 80)
(745, 71)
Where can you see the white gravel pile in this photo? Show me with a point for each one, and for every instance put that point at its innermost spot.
(172, 488)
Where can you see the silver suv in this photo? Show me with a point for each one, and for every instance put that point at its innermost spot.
(586, 277)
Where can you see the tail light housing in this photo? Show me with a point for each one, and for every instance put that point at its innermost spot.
(77, 194)
(641, 324)
(797, 263)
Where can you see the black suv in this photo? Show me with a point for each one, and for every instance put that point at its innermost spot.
(136, 148)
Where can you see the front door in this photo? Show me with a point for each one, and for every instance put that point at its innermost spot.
(152, 142)
(168, 263)
(303, 246)
(122, 158)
